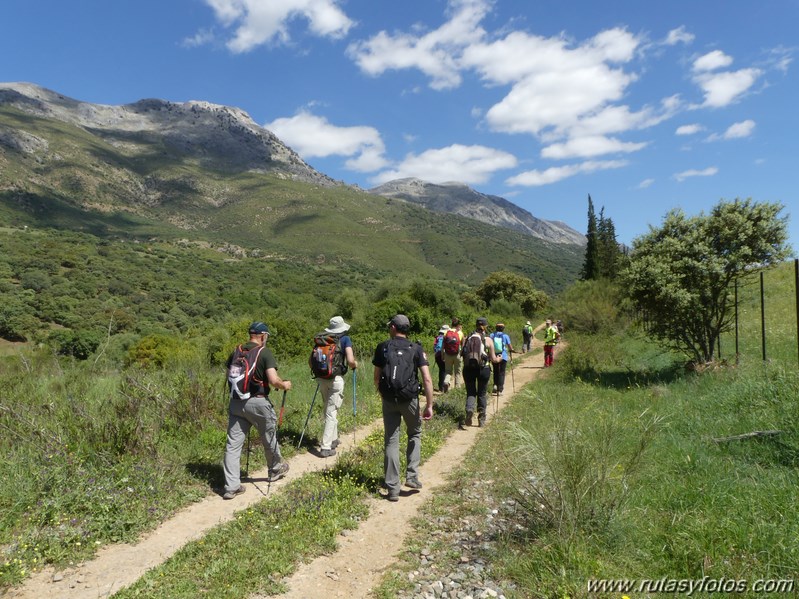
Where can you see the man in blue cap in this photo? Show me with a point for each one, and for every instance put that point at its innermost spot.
(252, 370)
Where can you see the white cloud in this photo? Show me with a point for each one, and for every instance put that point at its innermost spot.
(553, 85)
(679, 36)
(588, 147)
(536, 178)
(722, 89)
(691, 129)
(738, 130)
(466, 164)
(201, 38)
(435, 53)
(313, 136)
(645, 183)
(708, 172)
(712, 61)
(262, 21)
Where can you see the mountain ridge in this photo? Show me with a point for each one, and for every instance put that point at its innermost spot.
(458, 198)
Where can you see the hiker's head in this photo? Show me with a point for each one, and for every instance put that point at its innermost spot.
(259, 332)
(337, 326)
(399, 324)
(444, 328)
(456, 323)
(500, 326)
(482, 323)
(549, 322)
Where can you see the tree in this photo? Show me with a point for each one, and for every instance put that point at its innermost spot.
(680, 274)
(609, 254)
(512, 287)
(591, 264)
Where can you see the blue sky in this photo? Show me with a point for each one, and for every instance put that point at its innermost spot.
(646, 106)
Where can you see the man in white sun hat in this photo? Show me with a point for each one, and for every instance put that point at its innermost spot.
(332, 388)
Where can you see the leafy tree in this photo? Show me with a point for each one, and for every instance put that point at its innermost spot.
(591, 264)
(680, 274)
(506, 285)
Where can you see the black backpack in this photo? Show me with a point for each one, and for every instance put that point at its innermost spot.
(398, 380)
(239, 373)
(327, 357)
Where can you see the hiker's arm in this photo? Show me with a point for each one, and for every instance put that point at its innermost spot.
(378, 372)
(275, 381)
(350, 355)
(428, 392)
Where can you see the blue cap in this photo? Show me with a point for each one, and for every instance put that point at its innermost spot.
(258, 328)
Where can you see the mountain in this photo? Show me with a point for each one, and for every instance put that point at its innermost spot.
(203, 174)
(457, 198)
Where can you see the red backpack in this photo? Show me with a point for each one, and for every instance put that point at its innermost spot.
(452, 342)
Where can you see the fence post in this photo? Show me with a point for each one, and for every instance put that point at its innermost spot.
(796, 292)
(762, 316)
(736, 321)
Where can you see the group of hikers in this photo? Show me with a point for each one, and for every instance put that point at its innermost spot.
(398, 363)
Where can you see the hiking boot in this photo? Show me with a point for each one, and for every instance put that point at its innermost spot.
(278, 472)
(393, 497)
(327, 453)
(494, 389)
(232, 494)
(334, 444)
(481, 422)
(413, 483)
(446, 387)
(469, 418)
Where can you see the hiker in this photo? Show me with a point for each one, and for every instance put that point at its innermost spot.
(551, 337)
(251, 406)
(559, 326)
(453, 343)
(527, 337)
(438, 350)
(396, 362)
(503, 349)
(332, 388)
(478, 356)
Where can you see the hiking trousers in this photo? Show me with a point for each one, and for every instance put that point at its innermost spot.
(453, 366)
(549, 355)
(333, 394)
(499, 375)
(476, 380)
(394, 413)
(243, 414)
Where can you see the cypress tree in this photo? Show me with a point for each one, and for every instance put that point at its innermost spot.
(591, 264)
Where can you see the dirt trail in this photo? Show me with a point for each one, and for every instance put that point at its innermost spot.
(351, 572)
(365, 554)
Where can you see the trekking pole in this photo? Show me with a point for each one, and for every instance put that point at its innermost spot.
(354, 391)
(512, 380)
(308, 417)
(282, 407)
(354, 403)
(247, 459)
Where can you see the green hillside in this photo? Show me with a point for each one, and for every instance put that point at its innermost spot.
(143, 188)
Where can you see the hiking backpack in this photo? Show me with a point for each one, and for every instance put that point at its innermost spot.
(239, 373)
(452, 342)
(327, 357)
(439, 345)
(498, 342)
(398, 379)
(474, 351)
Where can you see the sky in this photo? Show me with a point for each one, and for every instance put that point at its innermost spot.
(644, 106)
